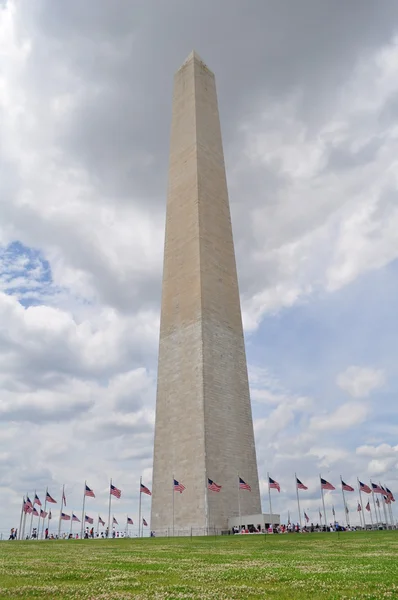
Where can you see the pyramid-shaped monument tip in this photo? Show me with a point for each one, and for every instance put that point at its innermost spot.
(194, 56)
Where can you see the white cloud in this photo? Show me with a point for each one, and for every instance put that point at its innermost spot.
(334, 215)
(381, 451)
(360, 382)
(381, 466)
(327, 456)
(344, 417)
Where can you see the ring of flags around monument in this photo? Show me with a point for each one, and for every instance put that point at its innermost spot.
(29, 507)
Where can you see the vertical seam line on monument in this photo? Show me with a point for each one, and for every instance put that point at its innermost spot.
(195, 65)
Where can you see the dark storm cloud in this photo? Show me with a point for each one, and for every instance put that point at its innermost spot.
(342, 157)
(125, 54)
(113, 62)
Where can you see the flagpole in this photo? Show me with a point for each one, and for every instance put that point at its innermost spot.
(386, 512)
(323, 501)
(384, 508)
(24, 521)
(371, 517)
(98, 526)
(360, 513)
(20, 520)
(173, 506)
(60, 511)
(48, 523)
(345, 505)
(139, 511)
(71, 523)
(391, 513)
(31, 517)
(378, 514)
(109, 511)
(360, 500)
(45, 506)
(298, 500)
(320, 514)
(207, 503)
(270, 505)
(374, 503)
(239, 504)
(378, 508)
(84, 506)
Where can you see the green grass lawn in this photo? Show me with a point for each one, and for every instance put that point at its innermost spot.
(348, 565)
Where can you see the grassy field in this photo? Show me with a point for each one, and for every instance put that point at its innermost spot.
(348, 565)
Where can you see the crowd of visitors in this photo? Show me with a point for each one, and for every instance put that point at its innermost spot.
(292, 528)
(88, 534)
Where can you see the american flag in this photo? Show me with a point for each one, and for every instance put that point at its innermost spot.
(130, 521)
(144, 522)
(101, 521)
(306, 517)
(145, 490)
(325, 485)
(88, 492)
(320, 515)
(27, 508)
(114, 521)
(115, 492)
(346, 509)
(178, 487)
(390, 494)
(273, 485)
(35, 513)
(50, 516)
(88, 519)
(359, 507)
(75, 519)
(333, 511)
(300, 485)
(63, 501)
(43, 514)
(37, 500)
(28, 502)
(368, 506)
(243, 485)
(387, 496)
(65, 517)
(346, 487)
(213, 487)
(377, 502)
(50, 499)
(364, 488)
(377, 489)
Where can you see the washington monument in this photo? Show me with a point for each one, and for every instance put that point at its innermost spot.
(204, 427)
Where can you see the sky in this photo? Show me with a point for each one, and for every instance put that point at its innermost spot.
(308, 99)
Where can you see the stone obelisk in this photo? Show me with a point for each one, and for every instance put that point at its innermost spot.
(204, 426)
